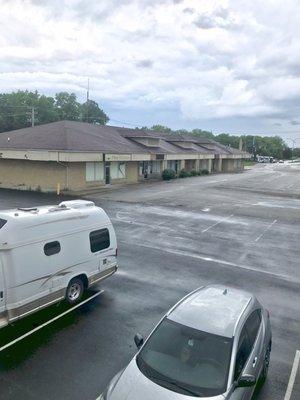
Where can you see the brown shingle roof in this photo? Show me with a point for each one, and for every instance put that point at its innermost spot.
(73, 136)
(69, 136)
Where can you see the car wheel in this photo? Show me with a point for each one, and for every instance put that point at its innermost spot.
(265, 369)
(74, 291)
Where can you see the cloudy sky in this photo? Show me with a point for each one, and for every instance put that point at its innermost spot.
(224, 65)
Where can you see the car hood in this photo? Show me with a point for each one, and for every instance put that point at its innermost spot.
(133, 385)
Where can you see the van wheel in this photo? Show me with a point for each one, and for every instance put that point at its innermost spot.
(74, 291)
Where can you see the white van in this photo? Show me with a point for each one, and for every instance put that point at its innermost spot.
(52, 253)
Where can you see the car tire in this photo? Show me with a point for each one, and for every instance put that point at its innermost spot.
(74, 291)
(265, 369)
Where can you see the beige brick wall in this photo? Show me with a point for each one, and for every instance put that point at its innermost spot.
(24, 174)
(132, 171)
(45, 175)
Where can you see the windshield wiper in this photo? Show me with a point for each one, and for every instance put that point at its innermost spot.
(176, 384)
(152, 375)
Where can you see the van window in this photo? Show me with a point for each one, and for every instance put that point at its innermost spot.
(52, 248)
(99, 240)
(2, 222)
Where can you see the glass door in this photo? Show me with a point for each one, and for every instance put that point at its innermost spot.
(107, 173)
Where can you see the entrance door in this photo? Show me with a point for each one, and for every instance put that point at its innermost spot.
(145, 169)
(107, 173)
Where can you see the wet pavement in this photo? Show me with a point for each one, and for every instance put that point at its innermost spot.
(241, 230)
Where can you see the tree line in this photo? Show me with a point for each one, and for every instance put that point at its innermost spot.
(18, 109)
(272, 146)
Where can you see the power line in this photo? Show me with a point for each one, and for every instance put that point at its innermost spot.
(14, 115)
(6, 105)
(122, 122)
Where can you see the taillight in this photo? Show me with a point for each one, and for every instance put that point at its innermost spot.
(268, 313)
(116, 252)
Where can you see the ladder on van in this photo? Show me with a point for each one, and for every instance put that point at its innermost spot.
(46, 323)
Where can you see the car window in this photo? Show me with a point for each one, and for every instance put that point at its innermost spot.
(186, 360)
(243, 352)
(252, 325)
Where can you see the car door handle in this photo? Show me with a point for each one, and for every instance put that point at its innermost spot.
(254, 362)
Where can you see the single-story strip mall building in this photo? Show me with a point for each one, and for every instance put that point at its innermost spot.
(78, 156)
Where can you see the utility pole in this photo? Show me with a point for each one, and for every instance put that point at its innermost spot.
(32, 116)
(88, 100)
(241, 143)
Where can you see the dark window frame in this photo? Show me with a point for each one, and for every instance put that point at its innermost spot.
(249, 338)
(252, 337)
(247, 349)
(99, 243)
(52, 248)
(2, 222)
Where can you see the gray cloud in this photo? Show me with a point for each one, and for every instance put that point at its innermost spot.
(294, 122)
(205, 22)
(145, 64)
(189, 10)
(219, 62)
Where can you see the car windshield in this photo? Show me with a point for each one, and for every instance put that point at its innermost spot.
(186, 360)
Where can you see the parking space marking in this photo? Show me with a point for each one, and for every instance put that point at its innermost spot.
(217, 223)
(265, 231)
(291, 383)
(6, 346)
(214, 260)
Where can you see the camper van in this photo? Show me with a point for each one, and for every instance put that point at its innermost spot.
(52, 253)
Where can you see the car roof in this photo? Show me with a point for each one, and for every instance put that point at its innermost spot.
(215, 309)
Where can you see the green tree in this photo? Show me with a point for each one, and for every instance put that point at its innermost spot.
(67, 106)
(161, 128)
(91, 112)
(15, 109)
(200, 132)
(46, 110)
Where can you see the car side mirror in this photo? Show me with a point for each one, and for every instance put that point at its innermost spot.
(138, 340)
(246, 381)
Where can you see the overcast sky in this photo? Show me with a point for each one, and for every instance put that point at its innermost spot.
(221, 65)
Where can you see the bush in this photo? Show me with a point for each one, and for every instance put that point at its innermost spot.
(205, 172)
(184, 173)
(194, 173)
(168, 174)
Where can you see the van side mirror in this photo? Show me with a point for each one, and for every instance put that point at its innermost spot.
(246, 381)
(138, 340)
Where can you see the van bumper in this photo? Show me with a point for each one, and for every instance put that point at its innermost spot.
(3, 319)
(102, 275)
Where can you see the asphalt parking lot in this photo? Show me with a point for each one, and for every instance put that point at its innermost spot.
(235, 229)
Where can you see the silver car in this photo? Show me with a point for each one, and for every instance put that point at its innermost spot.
(215, 343)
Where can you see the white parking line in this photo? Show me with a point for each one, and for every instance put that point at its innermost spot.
(212, 260)
(261, 235)
(217, 223)
(49, 322)
(290, 387)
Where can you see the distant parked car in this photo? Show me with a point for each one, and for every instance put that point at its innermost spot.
(281, 161)
(215, 342)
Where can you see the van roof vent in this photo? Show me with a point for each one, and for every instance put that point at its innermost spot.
(76, 204)
(28, 209)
